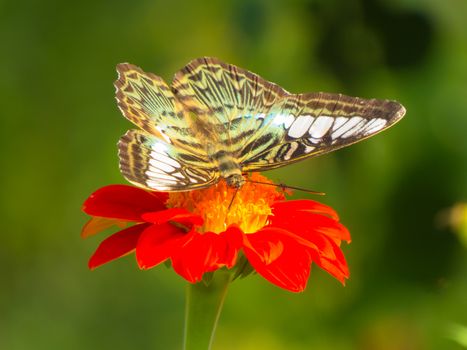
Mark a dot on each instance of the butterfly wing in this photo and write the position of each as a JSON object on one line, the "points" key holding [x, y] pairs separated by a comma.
{"points": [[152, 163], [311, 124], [263, 126], [147, 101], [232, 100], [169, 154]]}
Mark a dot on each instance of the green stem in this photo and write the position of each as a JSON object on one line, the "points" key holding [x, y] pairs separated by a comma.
{"points": [[203, 308]]}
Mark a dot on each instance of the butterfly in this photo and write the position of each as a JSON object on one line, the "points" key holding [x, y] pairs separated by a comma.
{"points": [[217, 121]]}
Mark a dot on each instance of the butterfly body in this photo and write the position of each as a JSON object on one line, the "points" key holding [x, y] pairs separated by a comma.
{"points": [[219, 121], [229, 169]]}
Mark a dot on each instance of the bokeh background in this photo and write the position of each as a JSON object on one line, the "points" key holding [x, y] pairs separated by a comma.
{"points": [[400, 193]]}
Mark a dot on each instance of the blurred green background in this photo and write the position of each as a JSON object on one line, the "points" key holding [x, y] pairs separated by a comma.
{"points": [[60, 125]]}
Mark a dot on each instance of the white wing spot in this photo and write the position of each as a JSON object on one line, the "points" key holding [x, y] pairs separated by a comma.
{"points": [[283, 119], [355, 130], [192, 176], [289, 120], [164, 159], [159, 176], [308, 149], [155, 170], [321, 126], [339, 122], [346, 127], [162, 166], [179, 175], [159, 147], [376, 125], [160, 186], [300, 126], [316, 141]]}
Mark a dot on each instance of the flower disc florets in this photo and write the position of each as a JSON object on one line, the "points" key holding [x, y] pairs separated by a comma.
{"points": [[221, 206]]}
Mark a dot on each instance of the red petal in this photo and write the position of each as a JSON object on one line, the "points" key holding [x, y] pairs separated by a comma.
{"points": [[278, 258], [116, 246], [191, 262], [207, 252], [323, 250], [97, 224], [304, 221], [179, 215], [158, 242], [334, 263], [265, 244], [230, 242], [286, 207], [123, 202]]}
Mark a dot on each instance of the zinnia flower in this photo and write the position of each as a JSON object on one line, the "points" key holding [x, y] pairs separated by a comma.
{"points": [[204, 230]]}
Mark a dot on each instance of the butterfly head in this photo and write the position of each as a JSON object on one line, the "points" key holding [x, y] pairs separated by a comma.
{"points": [[235, 180]]}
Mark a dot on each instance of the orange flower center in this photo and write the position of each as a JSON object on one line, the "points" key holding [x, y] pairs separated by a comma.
{"points": [[249, 210]]}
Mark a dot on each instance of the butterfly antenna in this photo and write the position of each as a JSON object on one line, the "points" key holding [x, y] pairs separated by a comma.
{"points": [[288, 187], [232, 200]]}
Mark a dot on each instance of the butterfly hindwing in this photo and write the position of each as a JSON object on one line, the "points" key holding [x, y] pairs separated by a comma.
{"points": [[153, 163]]}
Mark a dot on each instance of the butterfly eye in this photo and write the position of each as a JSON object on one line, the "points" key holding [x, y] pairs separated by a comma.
{"points": [[235, 181]]}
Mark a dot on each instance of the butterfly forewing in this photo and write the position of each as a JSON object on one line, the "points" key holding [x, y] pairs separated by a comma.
{"points": [[263, 126], [317, 123], [231, 99]]}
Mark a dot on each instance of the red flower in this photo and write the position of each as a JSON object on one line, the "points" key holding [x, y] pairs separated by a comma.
{"points": [[199, 233]]}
